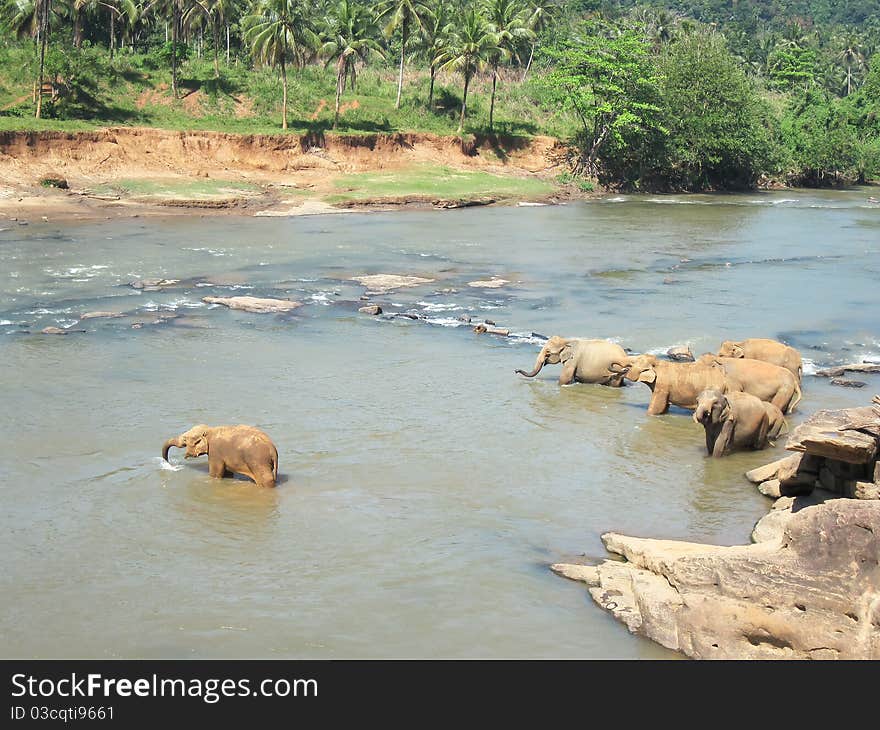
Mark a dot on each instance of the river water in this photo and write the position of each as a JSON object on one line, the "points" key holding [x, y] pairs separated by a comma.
{"points": [[425, 487]]}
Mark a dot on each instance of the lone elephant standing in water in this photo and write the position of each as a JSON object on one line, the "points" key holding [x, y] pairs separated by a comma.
{"points": [[239, 449], [583, 361]]}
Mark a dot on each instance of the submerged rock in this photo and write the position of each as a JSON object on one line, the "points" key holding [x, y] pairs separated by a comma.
{"points": [[846, 383], [152, 284], [373, 309], [254, 304], [808, 591], [58, 331]]}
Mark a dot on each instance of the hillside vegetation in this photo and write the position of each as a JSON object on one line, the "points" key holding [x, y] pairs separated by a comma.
{"points": [[675, 95]]}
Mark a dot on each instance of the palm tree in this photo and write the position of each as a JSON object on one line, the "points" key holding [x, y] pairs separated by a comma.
{"points": [[851, 55], [470, 47], [540, 13], [351, 37], [277, 31], [406, 15], [175, 10], [434, 37], [31, 18], [507, 23]]}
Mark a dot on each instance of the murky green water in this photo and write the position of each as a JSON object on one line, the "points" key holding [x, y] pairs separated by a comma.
{"points": [[425, 487]]}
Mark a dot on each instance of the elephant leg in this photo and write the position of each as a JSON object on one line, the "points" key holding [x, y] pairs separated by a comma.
{"points": [[783, 398], [217, 468], [566, 377], [659, 403], [762, 436], [264, 476]]}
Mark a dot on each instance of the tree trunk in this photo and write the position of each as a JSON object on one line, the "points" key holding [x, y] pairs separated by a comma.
{"points": [[492, 103], [44, 32], [284, 93], [227, 45], [112, 33], [77, 28], [400, 74], [174, 34], [529, 64], [340, 81], [467, 82], [215, 30], [431, 92]]}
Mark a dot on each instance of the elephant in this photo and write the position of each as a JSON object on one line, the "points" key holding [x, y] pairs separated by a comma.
{"points": [[767, 350], [583, 361], [765, 380], [737, 421], [672, 383], [240, 449]]}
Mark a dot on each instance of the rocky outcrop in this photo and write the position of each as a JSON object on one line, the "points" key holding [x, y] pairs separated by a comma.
{"points": [[809, 591], [254, 304], [835, 450], [809, 586]]}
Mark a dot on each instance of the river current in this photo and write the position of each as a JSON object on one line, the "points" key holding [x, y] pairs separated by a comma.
{"points": [[425, 488]]}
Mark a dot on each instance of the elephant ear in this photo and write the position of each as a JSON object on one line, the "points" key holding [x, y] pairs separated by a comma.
{"points": [[566, 353], [737, 350], [648, 376]]}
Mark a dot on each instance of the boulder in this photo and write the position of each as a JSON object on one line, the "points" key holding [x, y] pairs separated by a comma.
{"points": [[833, 434], [372, 309], [847, 383], [681, 353], [254, 304], [808, 591]]}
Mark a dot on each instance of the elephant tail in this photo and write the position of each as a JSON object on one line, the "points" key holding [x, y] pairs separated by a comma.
{"points": [[275, 464]]}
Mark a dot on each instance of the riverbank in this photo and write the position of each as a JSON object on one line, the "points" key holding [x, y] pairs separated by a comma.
{"points": [[141, 171]]}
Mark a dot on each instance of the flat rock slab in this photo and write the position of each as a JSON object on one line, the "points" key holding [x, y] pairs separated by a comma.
{"points": [[101, 315], [253, 304], [829, 434], [806, 591], [382, 283], [860, 367], [493, 283]]}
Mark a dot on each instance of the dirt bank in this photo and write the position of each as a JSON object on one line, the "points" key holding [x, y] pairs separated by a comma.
{"points": [[117, 169]]}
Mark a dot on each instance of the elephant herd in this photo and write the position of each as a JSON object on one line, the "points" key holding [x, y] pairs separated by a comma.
{"points": [[740, 395]]}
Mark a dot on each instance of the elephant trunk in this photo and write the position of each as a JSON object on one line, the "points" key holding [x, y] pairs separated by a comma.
{"points": [[176, 443], [700, 414], [542, 358]]}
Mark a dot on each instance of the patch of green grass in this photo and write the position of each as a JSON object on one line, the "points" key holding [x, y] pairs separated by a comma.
{"points": [[434, 181], [175, 188], [134, 90]]}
